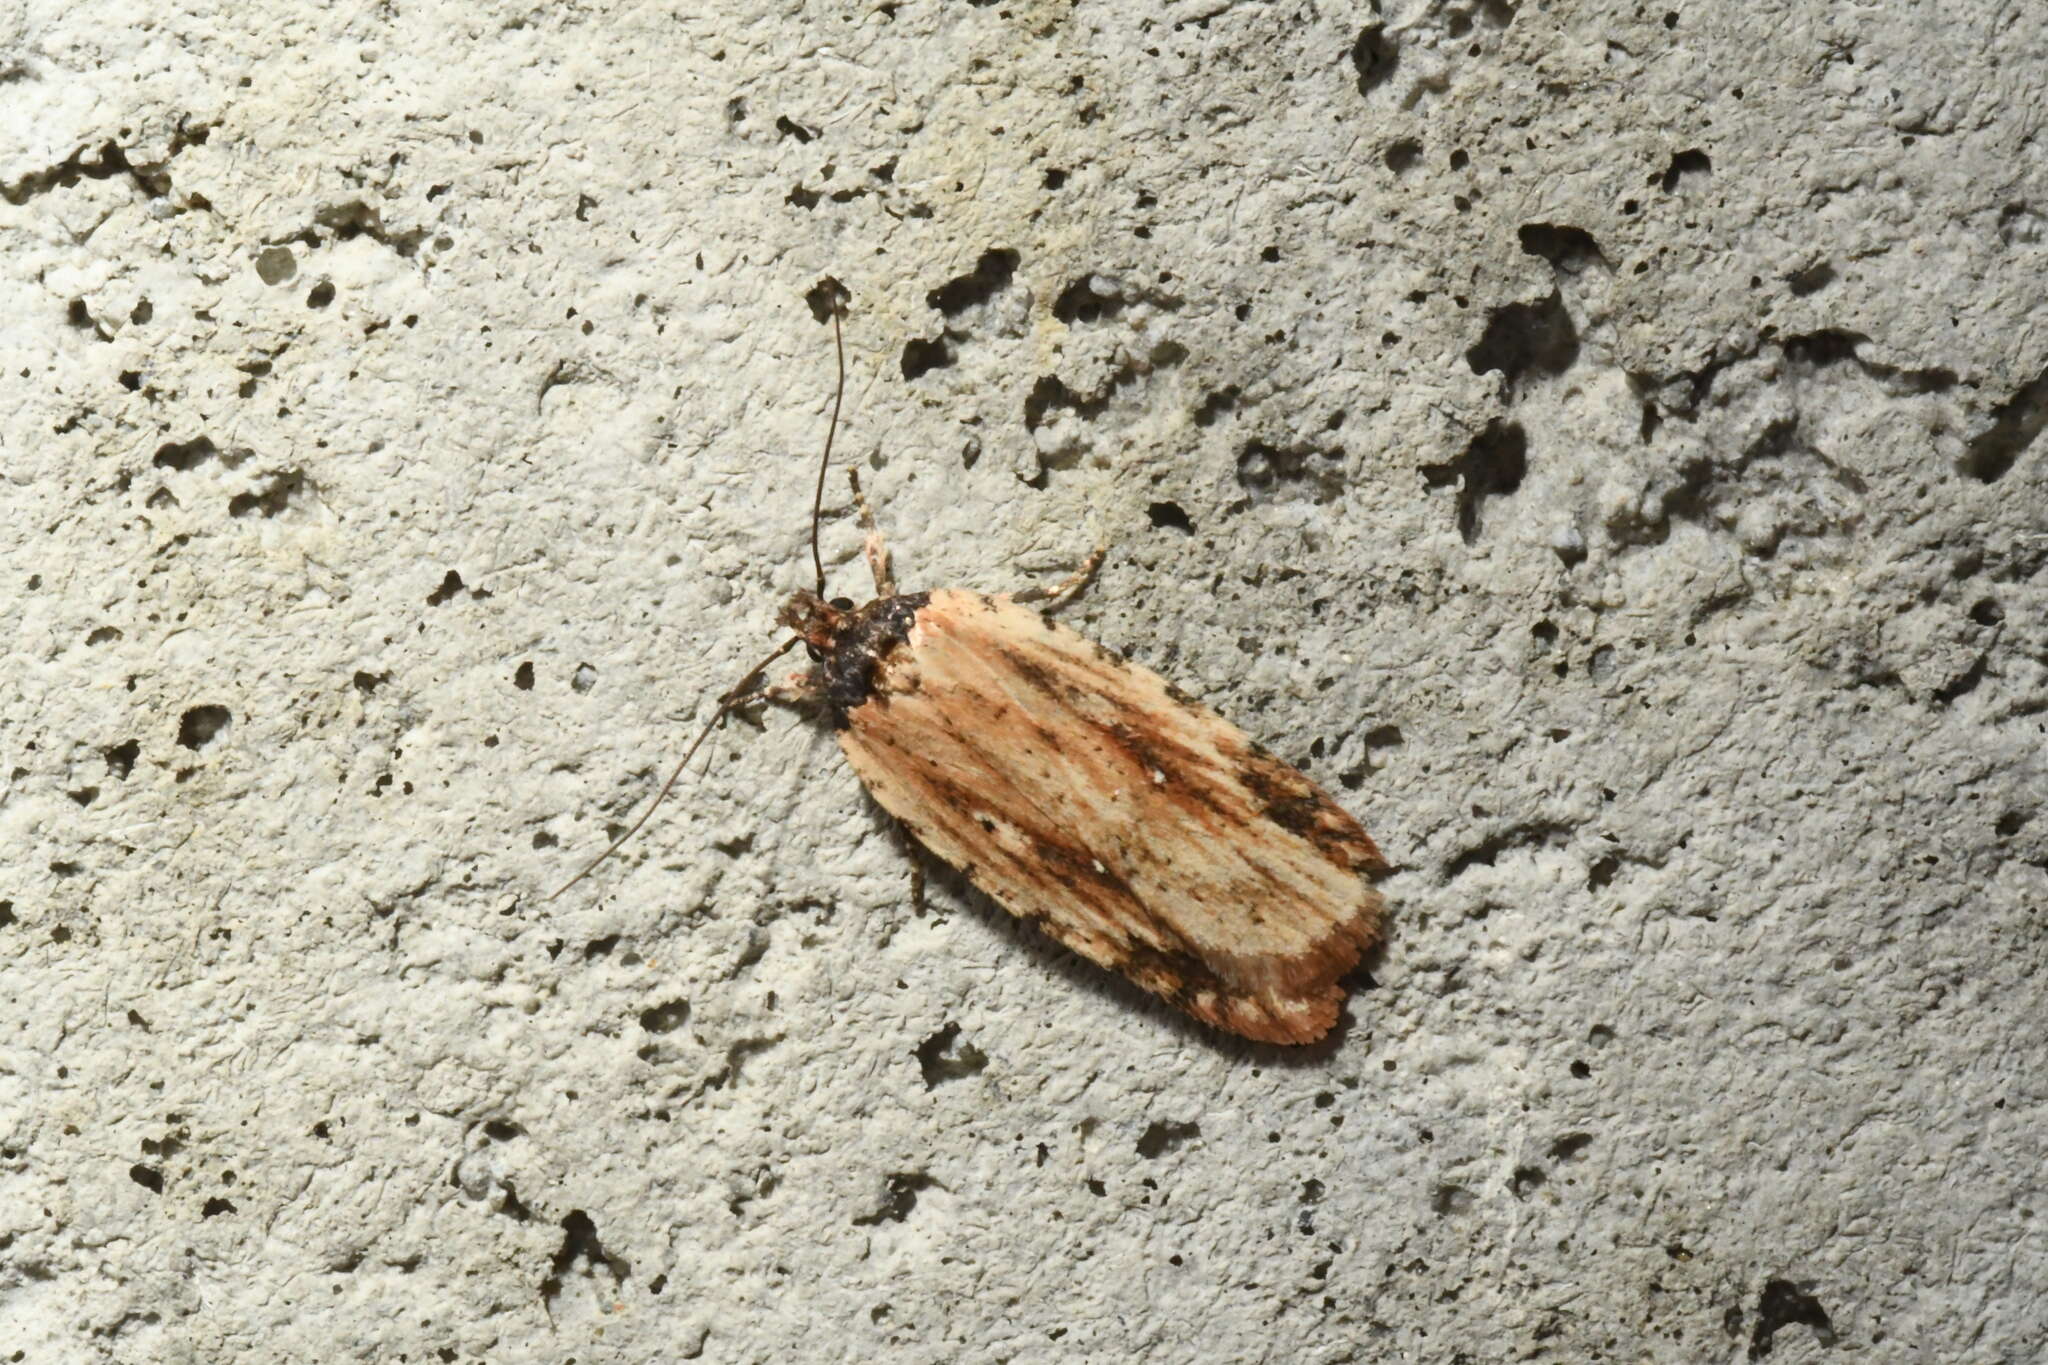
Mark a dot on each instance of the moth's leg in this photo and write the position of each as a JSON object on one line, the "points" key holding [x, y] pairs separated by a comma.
{"points": [[1055, 597], [914, 852], [877, 553], [798, 689]]}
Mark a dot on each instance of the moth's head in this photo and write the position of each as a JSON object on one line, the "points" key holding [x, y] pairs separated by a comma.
{"points": [[819, 622]]}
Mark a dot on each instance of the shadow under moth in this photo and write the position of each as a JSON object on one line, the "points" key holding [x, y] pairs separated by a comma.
{"points": [[1080, 791]]}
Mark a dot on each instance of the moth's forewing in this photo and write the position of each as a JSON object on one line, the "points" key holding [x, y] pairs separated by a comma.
{"points": [[1139, 828]]}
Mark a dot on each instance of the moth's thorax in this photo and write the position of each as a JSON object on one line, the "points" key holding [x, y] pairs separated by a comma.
{"points": [[850, 645]]}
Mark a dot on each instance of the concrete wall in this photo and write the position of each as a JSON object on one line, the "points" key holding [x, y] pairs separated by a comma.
{"points": [[1599, 442]]}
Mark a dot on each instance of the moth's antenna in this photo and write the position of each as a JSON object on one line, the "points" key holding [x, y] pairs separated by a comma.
{"points": [[737, 697], [838, 396]]}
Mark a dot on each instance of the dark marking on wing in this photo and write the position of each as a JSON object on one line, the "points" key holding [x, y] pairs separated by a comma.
{"points": [[1156, 940], [1176, 975], [1292, 801], [1071, 865], [1049, 857], [1153, 750], [1290, 804], [1038, 675]]}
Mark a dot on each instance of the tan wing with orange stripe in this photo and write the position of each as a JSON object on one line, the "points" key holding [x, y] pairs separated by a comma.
{"points": [[1139, 828]]}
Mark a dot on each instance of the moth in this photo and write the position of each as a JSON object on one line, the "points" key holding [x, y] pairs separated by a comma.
{"points": [[1081, 792]]}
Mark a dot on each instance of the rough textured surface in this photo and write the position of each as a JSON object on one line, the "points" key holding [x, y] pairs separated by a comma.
{"points": [[1601, 441]]}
